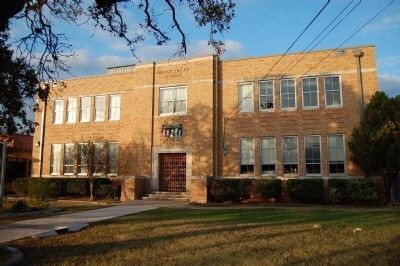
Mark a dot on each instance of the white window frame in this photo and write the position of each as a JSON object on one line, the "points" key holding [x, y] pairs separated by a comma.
{"points": [[102, 108], [52, 161], [113, 108], [174, 88], [241, 100], [240, 156], [302, 94], [87, 111], [261, 150], [320, 156], [58, 114], [72, 156], [71, 110], [295, 95], [340, 92], [266, 95], [344, 155], [298, 156]]}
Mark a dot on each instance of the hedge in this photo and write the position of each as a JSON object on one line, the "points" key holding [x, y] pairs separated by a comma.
{"points": [[306, 190], [267, 188], [352, 191], [45, 189], [230, 189]]}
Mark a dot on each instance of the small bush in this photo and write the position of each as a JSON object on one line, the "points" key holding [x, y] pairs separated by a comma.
{"points": [[306, 190], [352, 191], [230, 189], [103, 191], [20, 186], [43, 189], [77, 187], [267, 188], [20, 206]]}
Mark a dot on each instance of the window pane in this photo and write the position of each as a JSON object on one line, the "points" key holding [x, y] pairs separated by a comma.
{"points": [[68, 159], [71, 110], [310, 92], [288, 94], [173, 100], [313, 154], [55, 158], [99, 108], [268, 151], [58, 111], [266, 95], [246, 151], [85, 109], [290, 155], [112, 158], [336, 154], [115, 101], [332, 90], [246, 103]]}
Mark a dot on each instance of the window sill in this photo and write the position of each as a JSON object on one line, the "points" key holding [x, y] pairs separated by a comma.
{"points": [[55, 174], [176, 114], [84, 121], [70, 123], [113, 120], [268, 175], [267, 110], [338, 175], [98, 120], [289, 109], [313, 175], [333, 106], [310, 108], [68, 174]]}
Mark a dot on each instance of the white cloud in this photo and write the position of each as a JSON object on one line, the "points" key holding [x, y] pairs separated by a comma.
{"points": [[389, 61], [389, 22], [389, 84]]}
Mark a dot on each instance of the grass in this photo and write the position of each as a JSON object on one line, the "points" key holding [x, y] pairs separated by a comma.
{"points": [[65, 207], [224, 237]]}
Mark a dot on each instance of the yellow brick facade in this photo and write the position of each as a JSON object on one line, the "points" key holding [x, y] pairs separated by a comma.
{"points": [[212, 125]]}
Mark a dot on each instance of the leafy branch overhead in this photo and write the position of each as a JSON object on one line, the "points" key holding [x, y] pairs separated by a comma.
{"points": [[47, 48]]}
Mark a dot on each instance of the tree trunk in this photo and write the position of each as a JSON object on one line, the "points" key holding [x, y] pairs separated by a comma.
{"points": [[91, 188], [388, 188]]}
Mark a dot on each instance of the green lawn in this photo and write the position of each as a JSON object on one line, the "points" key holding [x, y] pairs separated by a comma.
{"points": [[220, 237]]}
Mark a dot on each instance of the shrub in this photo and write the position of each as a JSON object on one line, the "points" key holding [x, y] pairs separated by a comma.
{"points": [[103, 191], [43, 189], [20, 206], [352, 191], [20, 186], [229, 189], [306, 190], [267, 188], [77, 186]]}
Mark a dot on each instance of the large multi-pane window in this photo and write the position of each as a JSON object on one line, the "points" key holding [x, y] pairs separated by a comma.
{"points": [[99, 157], [115, 107], [313, 155], [85, 109], [290, 155], [172, 100], [245, 92], [266, 95], [288, 94], [336, 154], [268, 151], [99, 108], [71, 110], [82, 158], [246, 148], [68, 159], [333, 93], [55, 158], [310, 92], [112, 164], [58, 111]]}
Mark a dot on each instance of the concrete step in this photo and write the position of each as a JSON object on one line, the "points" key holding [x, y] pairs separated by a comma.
{"points": [[166, 199]]}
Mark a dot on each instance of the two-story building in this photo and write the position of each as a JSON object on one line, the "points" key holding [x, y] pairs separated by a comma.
{"points": [[275, 116]]}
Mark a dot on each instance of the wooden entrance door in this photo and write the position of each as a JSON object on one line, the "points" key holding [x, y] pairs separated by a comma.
{"points": [[172, 172]]}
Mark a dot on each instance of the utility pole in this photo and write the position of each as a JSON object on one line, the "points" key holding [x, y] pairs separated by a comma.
{"points": [[3, 149]]}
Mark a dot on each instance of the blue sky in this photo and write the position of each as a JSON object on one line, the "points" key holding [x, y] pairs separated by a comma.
{"points": [[260, 27]]}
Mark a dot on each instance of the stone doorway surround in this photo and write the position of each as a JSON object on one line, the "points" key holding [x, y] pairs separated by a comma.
{"points": [[155, 164]]}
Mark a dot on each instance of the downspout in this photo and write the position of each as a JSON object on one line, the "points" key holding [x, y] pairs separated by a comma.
{"points": [[215, 117], [152, 124], [358, 54], [42, 129]]}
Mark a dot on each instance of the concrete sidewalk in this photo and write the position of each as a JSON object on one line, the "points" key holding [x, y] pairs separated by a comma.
{"points": [[77, 220]]}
